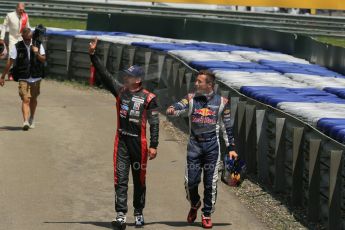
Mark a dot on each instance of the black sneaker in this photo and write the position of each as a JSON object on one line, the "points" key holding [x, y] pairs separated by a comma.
{"points": [[119, 223]]}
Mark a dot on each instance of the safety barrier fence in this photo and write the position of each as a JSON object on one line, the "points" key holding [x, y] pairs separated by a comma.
{"points": [[299, 24], [284, 153], [305, 47]]}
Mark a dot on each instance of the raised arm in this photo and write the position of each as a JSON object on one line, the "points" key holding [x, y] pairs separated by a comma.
{"points": [[107, 79]]}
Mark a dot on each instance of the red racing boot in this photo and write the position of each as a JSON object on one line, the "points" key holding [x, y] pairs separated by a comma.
{"points": [[193, 212], [206, 221]]}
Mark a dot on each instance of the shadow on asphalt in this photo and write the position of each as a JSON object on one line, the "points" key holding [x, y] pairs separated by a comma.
{"points": [[168, 223], [95, 223], [11, 128], [183, 224]]}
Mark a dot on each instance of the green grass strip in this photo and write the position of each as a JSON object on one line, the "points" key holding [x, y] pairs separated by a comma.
{"points": [[332, 41]]}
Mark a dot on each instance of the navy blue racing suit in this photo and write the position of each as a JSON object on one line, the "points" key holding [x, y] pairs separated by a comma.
{"points": [[134, 110], [208, 114]]}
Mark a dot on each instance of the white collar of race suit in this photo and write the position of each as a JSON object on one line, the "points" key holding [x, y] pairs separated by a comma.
{"points": [[206, 95]]}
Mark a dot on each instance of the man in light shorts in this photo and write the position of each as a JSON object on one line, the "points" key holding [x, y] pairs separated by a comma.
{"points": [[28, 70]]}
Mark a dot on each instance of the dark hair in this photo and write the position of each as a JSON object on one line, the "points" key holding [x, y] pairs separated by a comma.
{"points": [[210, 77], [26, 30]]}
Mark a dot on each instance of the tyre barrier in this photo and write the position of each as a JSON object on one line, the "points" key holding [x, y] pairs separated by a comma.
{"points": [[288, 114]]}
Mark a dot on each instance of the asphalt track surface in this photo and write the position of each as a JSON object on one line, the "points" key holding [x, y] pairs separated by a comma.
{"points": [[60, 174]]}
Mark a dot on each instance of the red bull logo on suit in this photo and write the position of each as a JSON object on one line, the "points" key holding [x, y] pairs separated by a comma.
{"points": [[204, 115]]}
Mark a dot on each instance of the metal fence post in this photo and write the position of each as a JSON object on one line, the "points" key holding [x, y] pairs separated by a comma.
{"points": [[314, 180], [335, 183], [188, 81], [216, 87], [174, 86], [119, 52], [131, 54], [161, 58], [69, 42], [262, 146], [240, 131], [279, 178], [170, 78], [250, 146], [180, 91], [297, 166], [234, 103], [106, 46], [147, 62]]}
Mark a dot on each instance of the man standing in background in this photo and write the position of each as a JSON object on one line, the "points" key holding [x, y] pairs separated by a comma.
{"points": [[15, 21]]}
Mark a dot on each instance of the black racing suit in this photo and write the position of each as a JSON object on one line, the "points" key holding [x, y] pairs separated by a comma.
{"points": [[134, 109]]}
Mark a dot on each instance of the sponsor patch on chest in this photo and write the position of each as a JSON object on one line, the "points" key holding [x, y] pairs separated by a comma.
{"points": [[134, 120], [139, 100], [136, 106], [203, 120], [134, 113], [125, 101], [123, 113], [124, 107]]}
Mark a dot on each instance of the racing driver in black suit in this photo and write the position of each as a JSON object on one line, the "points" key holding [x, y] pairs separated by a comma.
{"points": [[135, 107]]}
